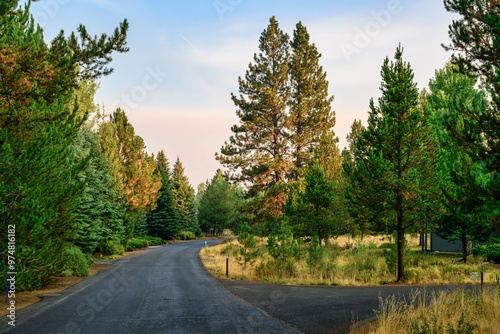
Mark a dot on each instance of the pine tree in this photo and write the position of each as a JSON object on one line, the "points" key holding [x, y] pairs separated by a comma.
{"points": [[352, 193], [315, 204], [310, 115], [395, 157], [218, 205], [38, 125], [184, 198], [475, 38], [257, 152], [133, 168], [98, 216], [463, 179], [163, 221]]}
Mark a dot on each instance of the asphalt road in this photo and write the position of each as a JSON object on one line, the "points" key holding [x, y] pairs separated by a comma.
{"points": [[321, 309], [167, 290]]}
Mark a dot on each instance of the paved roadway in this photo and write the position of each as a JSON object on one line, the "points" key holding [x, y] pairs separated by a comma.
{"points": [[167, 290]]}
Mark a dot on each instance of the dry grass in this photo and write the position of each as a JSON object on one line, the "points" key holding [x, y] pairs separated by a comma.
{"points": [[347, 261], [440, 312]]}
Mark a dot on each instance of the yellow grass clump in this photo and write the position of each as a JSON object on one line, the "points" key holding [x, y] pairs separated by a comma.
{"points": [[346, 261], [441, 312]]}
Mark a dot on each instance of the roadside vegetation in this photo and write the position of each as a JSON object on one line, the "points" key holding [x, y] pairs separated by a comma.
{"points": [[440, 312], [342, 261]]}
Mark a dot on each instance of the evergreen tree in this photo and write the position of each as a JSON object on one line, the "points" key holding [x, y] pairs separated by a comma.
{"points": [[463, 180], [257, 152], [284, 112], [315, 204], [310, 115], [395, 157], [475, 38], [163, 221], [357, 212], [218, 205], [38, 126], [133, 168], [184, 198], [98, 216]]}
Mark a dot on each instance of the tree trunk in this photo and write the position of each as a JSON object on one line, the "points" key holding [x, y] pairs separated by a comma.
{"points": [[401, 238], [464, 248], [401, 253]]}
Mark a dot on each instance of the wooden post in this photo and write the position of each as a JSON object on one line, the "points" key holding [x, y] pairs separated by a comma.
{"points": [[481, 279], [227, 265]]}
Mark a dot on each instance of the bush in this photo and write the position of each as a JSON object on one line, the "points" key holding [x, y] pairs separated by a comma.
{"points": [[186, 235], [111, 248], [277, 268], [137, 243], [231, 250], [316, 253], [386, 245], [281, 244], [198, 232], [153, 241], [76, 264], [490, 252]]}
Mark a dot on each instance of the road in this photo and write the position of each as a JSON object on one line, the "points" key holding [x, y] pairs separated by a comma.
{"points": [[321, 309], [167, 290]]}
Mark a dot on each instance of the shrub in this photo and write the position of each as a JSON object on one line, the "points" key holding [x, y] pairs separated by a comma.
{"points": [[137, 243], [198, 232], [315, 253], [247, 249], [111, 248], [386, 245], [490, 252], [231, 250], [75, 264], [281, 244], [286, 268], [186, 235], [153, 241]]}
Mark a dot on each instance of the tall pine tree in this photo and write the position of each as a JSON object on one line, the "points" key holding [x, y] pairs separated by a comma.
{"points": [[258, 149], [164, 220], [133, 168], [184, 198], [310, 116], [475, 37], [38, 126], [464, 180], [395, 157]]}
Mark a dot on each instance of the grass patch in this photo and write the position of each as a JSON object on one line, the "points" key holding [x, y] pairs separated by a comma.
{"points": [[347, 262], [441, 312]]}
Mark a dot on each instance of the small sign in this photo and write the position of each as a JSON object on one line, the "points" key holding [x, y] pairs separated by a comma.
{"points": [[475, 276]]}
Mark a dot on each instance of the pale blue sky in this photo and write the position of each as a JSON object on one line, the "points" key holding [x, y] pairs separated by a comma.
{"points": [[185, 58]]}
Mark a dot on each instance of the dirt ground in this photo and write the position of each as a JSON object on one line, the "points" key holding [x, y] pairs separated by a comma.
{"points": [[26, 298]]}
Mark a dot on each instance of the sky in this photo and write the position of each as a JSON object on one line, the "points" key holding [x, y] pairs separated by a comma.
{"points": [[185, 58]]}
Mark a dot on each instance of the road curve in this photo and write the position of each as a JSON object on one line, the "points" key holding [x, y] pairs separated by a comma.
{"points": [[164, 290], [323, 309]]}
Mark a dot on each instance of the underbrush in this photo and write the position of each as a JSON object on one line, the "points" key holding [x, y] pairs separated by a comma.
{"points": [[344, 261], [454, 312]]}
